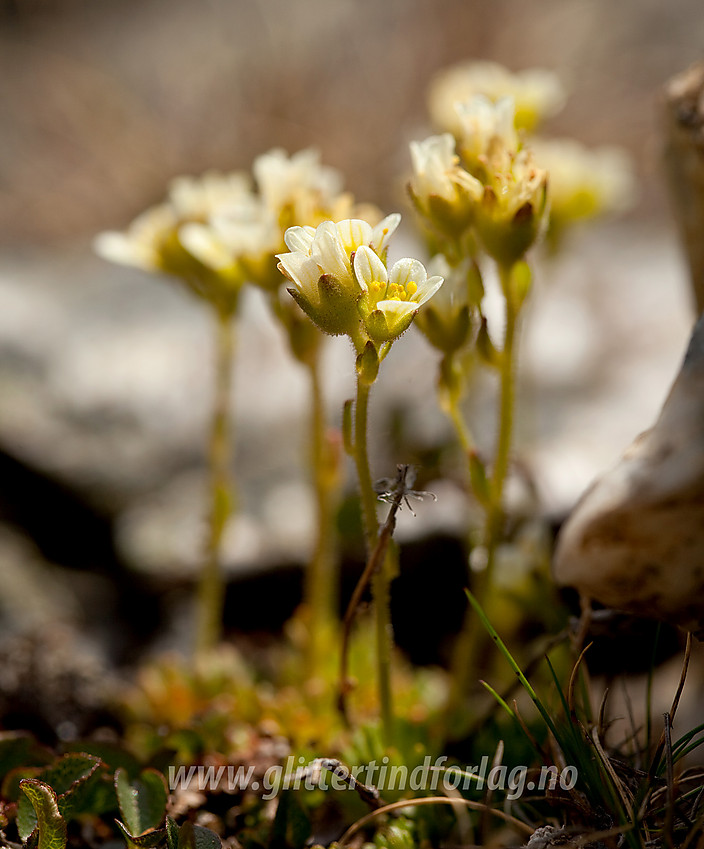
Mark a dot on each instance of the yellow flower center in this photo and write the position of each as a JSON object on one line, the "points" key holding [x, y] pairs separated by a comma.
{"points": [[392, 291]]}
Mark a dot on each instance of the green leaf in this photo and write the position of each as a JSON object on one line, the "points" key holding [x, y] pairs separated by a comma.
{"points": [[66, 777], [291, 828], [49, 822], [69, 771], [171, 833], [147, 840], [111, 754], [143, 801], [197, 837], [19, 749]]}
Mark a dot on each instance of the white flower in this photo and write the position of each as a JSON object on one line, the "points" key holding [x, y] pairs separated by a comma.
{"points": [[284, 180], [392, 297], [583, 182], [484, 125], [436, 170], [537, 93], [197, 198], [142, 243], [319, 264], [244, 231], [328, 250], [513, 210]]}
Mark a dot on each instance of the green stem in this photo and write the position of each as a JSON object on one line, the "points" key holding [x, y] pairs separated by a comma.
{"points": [[469, 643], [452, 393], [211, 590], [320, 589], [380, 584]]}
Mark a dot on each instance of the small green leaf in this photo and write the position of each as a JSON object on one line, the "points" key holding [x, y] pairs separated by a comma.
{"points": [[69, 771], [143, 801], [291, 828], [111, 754], [67, 777], [197, 837], [171, 833], [49, 822], [19, 749], [147, 840]]}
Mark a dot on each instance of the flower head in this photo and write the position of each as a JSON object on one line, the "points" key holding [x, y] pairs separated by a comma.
{"points": [[143, 244], [584, 183], [299, 189], [391, 298], [513, 210], [441, 189], [153, 240], [197, 198], [446, 322], [320, 265], [537, 93], [485, 126]]}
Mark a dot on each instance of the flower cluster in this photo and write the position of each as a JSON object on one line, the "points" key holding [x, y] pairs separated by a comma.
{"points": [[219, 231], [537, 93], [343, 283], [492, 187], [489, 113]]}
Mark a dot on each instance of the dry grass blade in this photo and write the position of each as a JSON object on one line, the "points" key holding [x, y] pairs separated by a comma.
{"points": [[573, 679], [488, 793], [618, 784], [675, 705], [431, 800]]}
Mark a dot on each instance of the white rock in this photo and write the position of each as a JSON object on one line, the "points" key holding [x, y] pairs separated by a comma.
{"points": [[636, 539]]}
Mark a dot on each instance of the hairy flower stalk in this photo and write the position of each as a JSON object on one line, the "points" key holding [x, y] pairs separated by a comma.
{"points": [[211, 589], [489, 196], [169, 239], [342, 281]]}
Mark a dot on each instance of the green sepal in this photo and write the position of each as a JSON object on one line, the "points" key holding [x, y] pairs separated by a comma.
{"points": [[335, 312], [475, 285], [449, 217], [486, 348], [507, 239], [368, 364], [447, 333], [50, 825]]}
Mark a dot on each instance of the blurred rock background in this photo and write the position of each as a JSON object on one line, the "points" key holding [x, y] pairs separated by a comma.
{"points": [[105, 372]]}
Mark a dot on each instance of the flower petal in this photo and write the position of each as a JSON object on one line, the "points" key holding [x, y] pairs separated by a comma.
{"points": [[328, 251], [354, 232], [396, 310], [427, 289], [383, 231], [302, 271], [299, 238], [118, 247], [408, 270], [200, 241], [368, 267]]}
